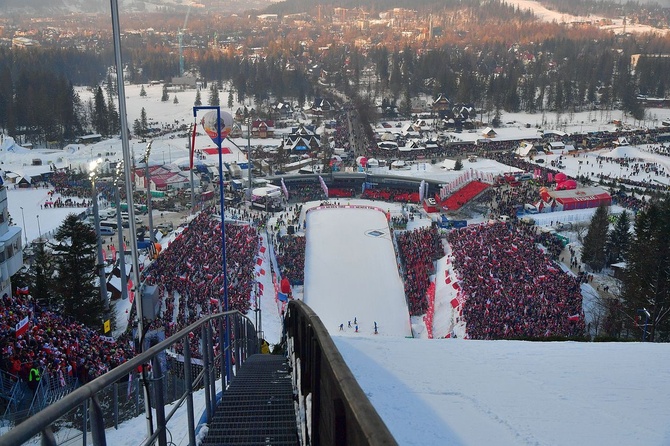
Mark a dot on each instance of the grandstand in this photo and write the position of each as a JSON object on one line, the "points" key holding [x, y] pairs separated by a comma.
{"points": [[462, 196]]}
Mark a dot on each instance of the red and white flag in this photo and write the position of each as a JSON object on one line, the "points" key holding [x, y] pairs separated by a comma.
{"points": [[22, 326], [192, 145], [323, 186]]}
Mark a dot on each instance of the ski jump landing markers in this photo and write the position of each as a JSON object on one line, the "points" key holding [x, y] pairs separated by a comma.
{"points": [[351, 272]]}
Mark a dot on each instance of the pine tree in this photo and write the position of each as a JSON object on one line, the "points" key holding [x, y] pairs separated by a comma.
{"points": [[458, 165], [175, 100], [143, 92], [114, 124], [100, 118], [75, 253], [165, 97], [213, 94], [137, 127], [646, 283], [41, 277], [230, 98], [144, 123], [619, 239], [406, 103], [198, 100], [593, 251], [110, 86]]}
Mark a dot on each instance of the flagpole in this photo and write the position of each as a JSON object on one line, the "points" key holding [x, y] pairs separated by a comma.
{"points": [[224, 267]]}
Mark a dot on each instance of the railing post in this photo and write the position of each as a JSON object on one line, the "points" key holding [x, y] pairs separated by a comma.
{"points": [[222, 350], [205, 365], [84, 422], [136, 385], [116, 406], [212, 362], [48, 438], [238, 347], [97, 422], [188, 381], [157, 382]]}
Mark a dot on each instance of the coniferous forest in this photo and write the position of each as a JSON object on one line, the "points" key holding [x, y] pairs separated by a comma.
{"points": [[487, 54]]}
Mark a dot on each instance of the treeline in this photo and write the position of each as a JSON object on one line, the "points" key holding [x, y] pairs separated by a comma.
{"points": [[39, 104], [641, 308]]}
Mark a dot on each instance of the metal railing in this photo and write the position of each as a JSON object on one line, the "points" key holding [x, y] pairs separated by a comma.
{"points": [[341, 413], [94, 406]]}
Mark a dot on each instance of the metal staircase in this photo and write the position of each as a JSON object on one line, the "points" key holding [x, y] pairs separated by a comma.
{"points": [[258, 407]]}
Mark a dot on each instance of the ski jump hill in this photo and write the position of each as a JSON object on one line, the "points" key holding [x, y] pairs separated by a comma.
{"points": [[351, 274]]}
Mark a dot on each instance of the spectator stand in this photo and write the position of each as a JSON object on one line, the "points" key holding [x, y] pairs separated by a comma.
{"points": [[417, 251], [511, 288]]}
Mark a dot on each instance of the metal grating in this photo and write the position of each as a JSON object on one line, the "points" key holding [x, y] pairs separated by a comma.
{"points": [[257, 408]]}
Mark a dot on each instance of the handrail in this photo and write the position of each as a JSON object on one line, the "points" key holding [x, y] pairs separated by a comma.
{"points": [[341, 414], [42, 420]]}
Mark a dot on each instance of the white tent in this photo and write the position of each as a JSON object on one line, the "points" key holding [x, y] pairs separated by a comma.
{"points": [[267, 191]]}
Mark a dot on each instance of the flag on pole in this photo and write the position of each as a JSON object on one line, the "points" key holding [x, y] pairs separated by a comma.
{"points": [[323, 186], [422, 189], [192, 145], [284, 189]]}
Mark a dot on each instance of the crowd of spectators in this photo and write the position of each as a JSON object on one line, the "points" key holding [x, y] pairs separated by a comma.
{"points": [[191, 269], [511, 288], [506, 200], [300, 192], [341, 192], [388, 194], [418, 250], [55, 345], [290, 252]]}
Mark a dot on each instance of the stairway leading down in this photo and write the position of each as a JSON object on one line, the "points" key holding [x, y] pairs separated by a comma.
{"points": [[258, 407]]}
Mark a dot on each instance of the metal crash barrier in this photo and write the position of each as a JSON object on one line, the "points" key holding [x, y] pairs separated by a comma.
{"points": [[341, 413]]}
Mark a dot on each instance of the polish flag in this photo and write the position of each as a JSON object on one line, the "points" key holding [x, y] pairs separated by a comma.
{"points": [[22, 326]]}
